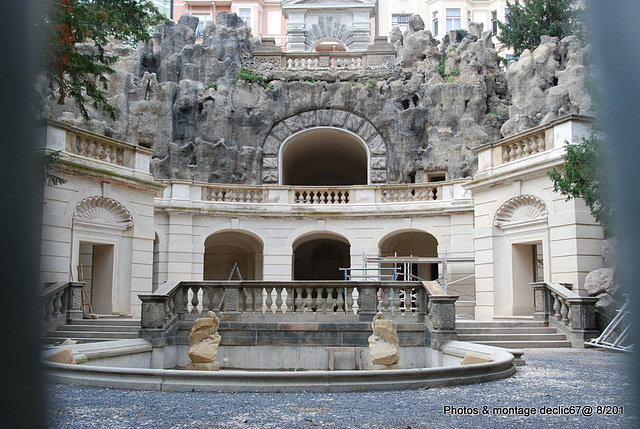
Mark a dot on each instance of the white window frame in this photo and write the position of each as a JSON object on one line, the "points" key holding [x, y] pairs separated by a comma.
{"points": [[203, 18], [494, 22], [245, 14], [434, 20], [454, 19], [395, 21]]}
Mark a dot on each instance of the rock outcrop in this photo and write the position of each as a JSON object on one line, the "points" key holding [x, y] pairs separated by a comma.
{"points": [[184, 98]]}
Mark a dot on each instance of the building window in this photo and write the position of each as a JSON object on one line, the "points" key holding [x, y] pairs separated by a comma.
{"points": [[401, 21], [203, 18], [494, 22], [245, 14], [453, 19], [435, 22]]}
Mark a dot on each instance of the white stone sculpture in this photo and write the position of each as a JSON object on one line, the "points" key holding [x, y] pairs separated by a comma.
{"points": [[384, 347], [204, 340]]}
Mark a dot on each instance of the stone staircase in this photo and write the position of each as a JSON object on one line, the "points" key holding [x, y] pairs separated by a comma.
{"points": [[93, 330], [511, 334]]}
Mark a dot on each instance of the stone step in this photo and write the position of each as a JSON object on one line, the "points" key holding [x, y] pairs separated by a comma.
{"points": [[100, 328], [478, 338], [112, 321], [92, 334], [517, 330], [527, 344], [58, 340], [500, 324]]}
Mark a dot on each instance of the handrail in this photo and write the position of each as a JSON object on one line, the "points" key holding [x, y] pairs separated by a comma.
{"points": [[61, 301], [565, 309]]}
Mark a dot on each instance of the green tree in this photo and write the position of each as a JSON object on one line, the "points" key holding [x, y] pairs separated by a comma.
{"points": [[584, 175], [80, 73], [527, 20]]}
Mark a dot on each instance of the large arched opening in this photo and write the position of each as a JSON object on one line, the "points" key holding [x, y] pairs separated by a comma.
{"points": [[324, 157], [320, 257], [232, 255], [412, 244]]}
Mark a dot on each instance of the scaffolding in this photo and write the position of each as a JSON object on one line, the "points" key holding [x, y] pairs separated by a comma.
{"points": [[616, 333], [405, 268]]}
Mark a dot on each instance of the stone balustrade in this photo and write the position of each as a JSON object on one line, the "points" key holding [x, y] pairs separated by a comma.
{"points": [[319, 61], [61, 302], [66, 138], [299, 301], [545, 139], [315, 195], [571, 313]]}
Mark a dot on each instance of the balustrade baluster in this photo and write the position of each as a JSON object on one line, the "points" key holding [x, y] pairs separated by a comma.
{"points": [[194, 299], [527, 147], [308, 303], [340, 308], [394, 297], [298, 302], [279, 300], [248, 292], [534, 145], [57, 304], [288, 308], [269, 300], [348, 300], [556, 306], [541, 143], [564, 311], [329, 302], [167, 311], [205, 299], [314, 302], [171, 306]]}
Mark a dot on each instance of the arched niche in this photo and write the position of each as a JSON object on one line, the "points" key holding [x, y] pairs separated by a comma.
{"points": [[335, 124], [320, 257], [324, 157], [223, 250]]}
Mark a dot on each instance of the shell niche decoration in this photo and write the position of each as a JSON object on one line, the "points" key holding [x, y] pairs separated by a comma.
{"points": [[103, 211], [520, 209]]}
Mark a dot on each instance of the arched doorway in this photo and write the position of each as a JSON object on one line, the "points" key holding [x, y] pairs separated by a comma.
{"points": [[225, 250], [324, 157], [416, 244], [320, 257]]}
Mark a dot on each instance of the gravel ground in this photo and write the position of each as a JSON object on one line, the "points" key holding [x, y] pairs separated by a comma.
{"points": [[552, 378]]}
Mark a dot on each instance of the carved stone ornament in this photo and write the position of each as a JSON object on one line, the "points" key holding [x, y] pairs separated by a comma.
{"points": [[520, 210], [384, 347], [103, 211]]}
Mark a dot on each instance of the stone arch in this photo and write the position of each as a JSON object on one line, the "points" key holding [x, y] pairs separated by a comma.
{"points": [[411, 243], [328, 27], [328, 44], [521, 210], [223, 249], [327, 118], [320, 255], [104, 212]]}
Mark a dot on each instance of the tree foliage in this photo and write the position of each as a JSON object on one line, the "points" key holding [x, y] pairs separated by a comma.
{"points": [[530, 19], [78, 33], [584, 175]]}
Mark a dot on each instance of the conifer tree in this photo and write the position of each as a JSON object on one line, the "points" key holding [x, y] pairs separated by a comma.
{"points": [[527, 20]]}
